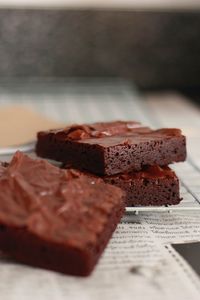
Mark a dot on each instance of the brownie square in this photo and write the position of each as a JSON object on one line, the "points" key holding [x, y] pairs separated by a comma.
{"points": [[111, 148], [154, 185], [54, 218]]}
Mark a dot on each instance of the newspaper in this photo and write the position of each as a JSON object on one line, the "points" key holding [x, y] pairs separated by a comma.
{"points": [[139, 262]]}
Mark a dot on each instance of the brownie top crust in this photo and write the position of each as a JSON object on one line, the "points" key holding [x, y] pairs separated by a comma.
{"points": [[54, 204], [136, 136], [96, 130], [111, 133]]}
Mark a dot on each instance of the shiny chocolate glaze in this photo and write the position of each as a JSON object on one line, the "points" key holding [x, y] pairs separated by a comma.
{"points": [[148, 172], [136, 136], [98, 130], [119, 132]]}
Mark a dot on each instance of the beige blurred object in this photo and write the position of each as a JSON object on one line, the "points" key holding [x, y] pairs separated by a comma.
{"points": [[91, 4], [19, 125]]}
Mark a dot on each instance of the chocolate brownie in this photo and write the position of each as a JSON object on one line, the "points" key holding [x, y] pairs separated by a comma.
{"points": [[111, 148], [54, 218], [153, 185]]}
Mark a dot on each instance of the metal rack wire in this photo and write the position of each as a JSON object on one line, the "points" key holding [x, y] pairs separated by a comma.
{"points": [[149, 209]]}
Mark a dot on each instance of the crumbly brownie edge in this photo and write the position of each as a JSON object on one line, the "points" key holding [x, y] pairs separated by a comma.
{"points": [[123, 158], [149, 192]]}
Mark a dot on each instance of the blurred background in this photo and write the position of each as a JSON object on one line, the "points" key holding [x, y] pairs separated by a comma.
{"points": [[153, 43]]}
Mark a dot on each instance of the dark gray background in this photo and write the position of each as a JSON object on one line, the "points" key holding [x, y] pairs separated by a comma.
{"points": [[155, 49]]}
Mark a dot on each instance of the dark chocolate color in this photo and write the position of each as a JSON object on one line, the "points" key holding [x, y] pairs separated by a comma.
{"points": [[54, 218], [152, 186], [111, 148]]}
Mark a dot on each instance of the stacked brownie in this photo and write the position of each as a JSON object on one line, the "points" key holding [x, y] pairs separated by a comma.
{"points": [[125, 154]]}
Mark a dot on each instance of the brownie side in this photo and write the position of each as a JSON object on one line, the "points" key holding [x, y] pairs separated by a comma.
{"points": [[72, 153], [113, 154], [136, 153], [56, 219], [155, 186]]}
